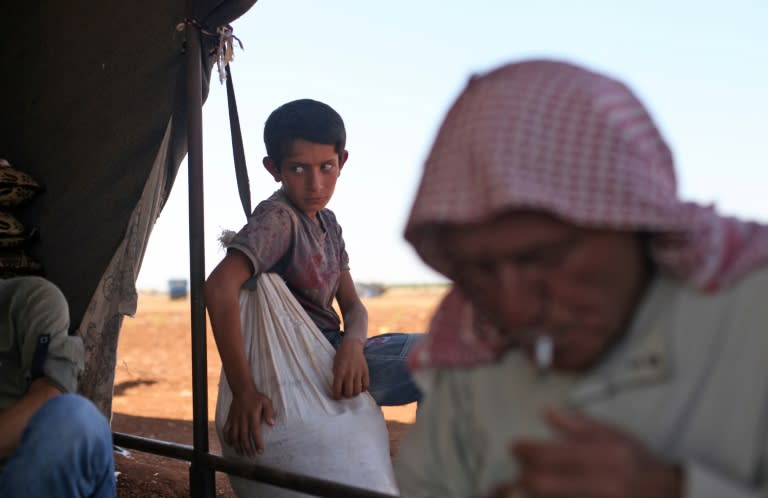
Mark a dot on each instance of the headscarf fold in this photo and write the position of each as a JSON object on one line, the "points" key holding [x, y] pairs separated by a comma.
{"points": [[554, 137]]}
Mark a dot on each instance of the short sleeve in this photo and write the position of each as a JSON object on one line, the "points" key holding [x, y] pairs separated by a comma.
{"points": [[41, 310], [267, 236]]}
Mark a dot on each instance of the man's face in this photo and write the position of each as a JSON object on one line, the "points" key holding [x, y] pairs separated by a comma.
{"points": [[308, 174], [529, 273]]}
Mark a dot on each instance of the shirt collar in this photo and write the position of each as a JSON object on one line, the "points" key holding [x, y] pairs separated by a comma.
{"points": [[643, 357]]}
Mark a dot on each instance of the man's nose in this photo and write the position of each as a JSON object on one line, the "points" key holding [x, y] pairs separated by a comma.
{"points": [[523, 295]]}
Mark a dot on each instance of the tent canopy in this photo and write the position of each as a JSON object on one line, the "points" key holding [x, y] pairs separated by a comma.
{"points": [[93, 99]]}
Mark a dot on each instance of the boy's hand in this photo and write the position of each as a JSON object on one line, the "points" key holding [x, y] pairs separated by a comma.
{"points": [[350, 370], [242, 430]]}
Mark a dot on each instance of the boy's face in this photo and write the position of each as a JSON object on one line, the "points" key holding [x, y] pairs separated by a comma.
{"points": [[308, 174]]}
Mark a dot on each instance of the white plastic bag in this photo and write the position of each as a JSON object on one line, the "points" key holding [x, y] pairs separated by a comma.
{"points": [[291, 362]]}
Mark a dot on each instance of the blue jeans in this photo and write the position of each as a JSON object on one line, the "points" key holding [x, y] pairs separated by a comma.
{"points": [[65, 450], [391, 383]]}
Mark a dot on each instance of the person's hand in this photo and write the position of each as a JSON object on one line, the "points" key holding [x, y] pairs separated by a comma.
{"points": [[350, 370], [242, 430], [590, 459]]}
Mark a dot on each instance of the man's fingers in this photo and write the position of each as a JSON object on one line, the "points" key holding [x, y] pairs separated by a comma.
{"points": [[550, 469], [577, 427], [549, 456], [506, 491]]}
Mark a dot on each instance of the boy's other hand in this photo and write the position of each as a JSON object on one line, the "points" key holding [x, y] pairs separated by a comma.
{"points": [[350, 370], [242, 430]]}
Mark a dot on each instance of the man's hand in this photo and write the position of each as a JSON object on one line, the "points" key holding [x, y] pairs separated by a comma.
{"points": [[242, 430], [350, 370], [590, 459]]}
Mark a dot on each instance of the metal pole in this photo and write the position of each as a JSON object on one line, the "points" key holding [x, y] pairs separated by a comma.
{"points": [[260, 473], [202, 482]]}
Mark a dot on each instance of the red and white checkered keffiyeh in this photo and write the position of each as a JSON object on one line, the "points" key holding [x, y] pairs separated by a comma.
{"points": [[554, 137]]}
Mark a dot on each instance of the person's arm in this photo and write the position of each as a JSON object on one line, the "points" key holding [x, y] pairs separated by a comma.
{"points": [[437, 458], [591, 458], [350, 370], [604, 457], [242, 429], [15, 418]]}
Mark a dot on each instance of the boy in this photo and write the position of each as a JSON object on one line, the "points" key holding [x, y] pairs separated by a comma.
{"points": [[294, 235]]}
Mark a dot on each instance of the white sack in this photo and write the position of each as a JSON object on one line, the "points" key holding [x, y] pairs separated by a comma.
{"points": [[291, 362]]}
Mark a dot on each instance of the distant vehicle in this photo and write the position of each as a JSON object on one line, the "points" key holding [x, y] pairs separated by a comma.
{"points": [[369, 290], [177, 288]]}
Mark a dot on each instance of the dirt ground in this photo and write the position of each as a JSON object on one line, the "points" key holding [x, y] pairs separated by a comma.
{"points": [[153, 387]]}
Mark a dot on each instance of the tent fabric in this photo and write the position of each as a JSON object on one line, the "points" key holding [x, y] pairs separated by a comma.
{"points": [[92, 100], [115, 295]]}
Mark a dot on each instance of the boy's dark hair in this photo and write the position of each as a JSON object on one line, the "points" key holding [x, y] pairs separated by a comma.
{"points": [[305, 119]]}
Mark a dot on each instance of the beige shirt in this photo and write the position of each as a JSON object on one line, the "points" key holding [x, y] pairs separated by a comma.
{"points": [[690, 380], [28, 310]]}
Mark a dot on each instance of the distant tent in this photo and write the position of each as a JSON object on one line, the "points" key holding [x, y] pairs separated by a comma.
{"points": [[93, 107]]}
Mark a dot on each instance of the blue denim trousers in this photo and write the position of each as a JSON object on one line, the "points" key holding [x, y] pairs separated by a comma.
{"points": [[65, 450], [391, 383]]}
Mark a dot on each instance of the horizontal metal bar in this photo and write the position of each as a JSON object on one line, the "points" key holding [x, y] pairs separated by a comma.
{"points": [[254, 472], [297, 482], [154, 446]]}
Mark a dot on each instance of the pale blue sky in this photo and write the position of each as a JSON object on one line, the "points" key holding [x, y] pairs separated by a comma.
{"points": [[392, 68]]}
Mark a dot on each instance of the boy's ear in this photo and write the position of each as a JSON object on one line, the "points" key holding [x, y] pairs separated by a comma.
{"points": [[273, 169], [343, 159]]}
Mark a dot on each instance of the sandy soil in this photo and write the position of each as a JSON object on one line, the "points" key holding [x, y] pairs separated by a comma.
{"points": [[153, 389]]}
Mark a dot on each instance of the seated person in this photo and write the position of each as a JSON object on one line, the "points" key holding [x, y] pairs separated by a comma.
{"points": [[52, 442], [603, 337]]}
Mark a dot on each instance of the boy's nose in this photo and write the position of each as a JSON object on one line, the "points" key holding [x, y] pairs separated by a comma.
{"points": [[314, 183]]}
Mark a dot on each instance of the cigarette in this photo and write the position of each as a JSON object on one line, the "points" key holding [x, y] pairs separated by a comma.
{"points": [[543, 352]]}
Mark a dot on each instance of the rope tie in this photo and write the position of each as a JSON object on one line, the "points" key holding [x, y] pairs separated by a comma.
{"points": [[224, 49]]}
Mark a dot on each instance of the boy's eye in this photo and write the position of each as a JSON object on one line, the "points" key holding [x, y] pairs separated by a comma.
{"points": [[327, 167], [298, 168]]}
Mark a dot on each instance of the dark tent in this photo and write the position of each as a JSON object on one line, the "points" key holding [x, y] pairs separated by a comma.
{"points": [[99, 100], [93, 107]]}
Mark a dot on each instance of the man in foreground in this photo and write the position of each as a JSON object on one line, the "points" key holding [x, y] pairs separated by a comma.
{"points": [[603, 338]]}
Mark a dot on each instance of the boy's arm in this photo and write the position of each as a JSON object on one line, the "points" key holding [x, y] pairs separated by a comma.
{"points": [[350, 370], [352, 310], [242, 429]]}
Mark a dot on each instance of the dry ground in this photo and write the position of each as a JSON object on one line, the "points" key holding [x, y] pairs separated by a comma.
{"points": [[153, 388]]}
